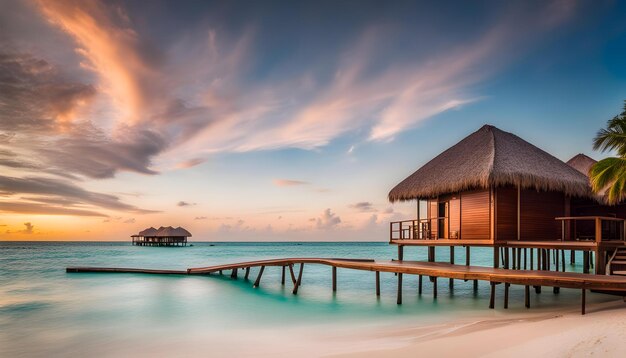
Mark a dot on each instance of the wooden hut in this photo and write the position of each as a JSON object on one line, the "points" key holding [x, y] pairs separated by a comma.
{"points": [[495, 189], [164, 236]]}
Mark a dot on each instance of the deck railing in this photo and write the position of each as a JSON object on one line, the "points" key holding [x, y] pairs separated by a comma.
{"points": [[591, 228], [409, 230]]}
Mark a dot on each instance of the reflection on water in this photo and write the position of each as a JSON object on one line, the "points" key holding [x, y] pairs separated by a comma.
{"points": [[46, 312]]}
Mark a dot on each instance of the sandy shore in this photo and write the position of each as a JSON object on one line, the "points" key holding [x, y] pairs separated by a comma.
{"points": [[600, 333]]}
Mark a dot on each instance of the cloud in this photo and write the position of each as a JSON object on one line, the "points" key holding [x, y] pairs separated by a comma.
{"points": [[288, 182], [51, 193], [35, 208], [29, 228], [184, 203], [328, 220], [364, 206], [190, 163], [200, 218], [129, 221]]}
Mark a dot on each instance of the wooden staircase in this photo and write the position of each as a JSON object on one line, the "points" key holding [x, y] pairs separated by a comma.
{"points": [[617, 262]]}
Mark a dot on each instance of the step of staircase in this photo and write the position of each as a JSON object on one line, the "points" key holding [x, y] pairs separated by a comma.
{"points": [[618, 262], [619, 273]]}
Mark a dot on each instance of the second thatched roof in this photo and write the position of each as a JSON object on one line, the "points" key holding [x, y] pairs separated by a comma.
{"points": [[491, 157]]}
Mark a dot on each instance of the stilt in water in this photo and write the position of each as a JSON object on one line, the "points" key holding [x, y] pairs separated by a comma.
{"points": [[492, 297], [525, 257], [400, 252], [377, 283], [572, 257], [399, 301], [293, 276], [419, 285], [245, 277], [334, 279], [506, 295], [282, 277], [299, 280], [258, 278], [527, 296], [451, 281], [563, 260], [583, 302], [435, 288], [233, 274]]}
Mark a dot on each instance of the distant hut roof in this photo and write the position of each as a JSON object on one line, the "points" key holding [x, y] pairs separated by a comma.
{"points": [[488, 157], [582, 163], [148, 232], [169, 231]]}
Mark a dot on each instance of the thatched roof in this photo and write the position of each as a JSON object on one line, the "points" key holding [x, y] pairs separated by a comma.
{"points": [[172, 232], [148, 232], [491, 157], [582, 163]]}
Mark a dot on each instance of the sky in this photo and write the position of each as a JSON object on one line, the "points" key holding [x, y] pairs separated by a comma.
{"points": [[278, 121]]}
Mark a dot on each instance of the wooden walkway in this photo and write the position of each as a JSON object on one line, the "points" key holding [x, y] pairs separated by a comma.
{"points": [[432, 270]]}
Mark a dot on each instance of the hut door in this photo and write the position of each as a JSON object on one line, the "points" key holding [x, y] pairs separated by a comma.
{"points": [[443, 225]]}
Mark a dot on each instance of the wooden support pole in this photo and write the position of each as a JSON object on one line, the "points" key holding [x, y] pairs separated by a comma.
{"points": [[492, 297], [585, 261], [519, 258], [513, 254], [299, 280], [282, 277], [572, 257], [496, 258], [293, 276], [419, 285], [233, 274], [582, 308], [378, 283], [532, 264], [507, 262], [258, 278], [451, 281], [563, 260], [475, 285], [435, 288], [400, 252], [334, 279], [399, 301], [506, 295], [527, 296], [525, 257]]}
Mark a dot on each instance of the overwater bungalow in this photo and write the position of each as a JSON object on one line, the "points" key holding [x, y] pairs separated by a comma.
{"points": [[164, 236], [494, 189]]}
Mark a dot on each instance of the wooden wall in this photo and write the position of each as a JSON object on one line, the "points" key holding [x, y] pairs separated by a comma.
{"points": [[432, 216], [537, 213], [506, 214], [455, 217], [475, 215]]}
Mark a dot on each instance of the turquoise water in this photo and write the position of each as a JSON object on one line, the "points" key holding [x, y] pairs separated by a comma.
{"points": [[47, 312]]}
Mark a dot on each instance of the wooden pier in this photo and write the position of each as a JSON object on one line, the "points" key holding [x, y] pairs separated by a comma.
{"points": [[433, 270]]}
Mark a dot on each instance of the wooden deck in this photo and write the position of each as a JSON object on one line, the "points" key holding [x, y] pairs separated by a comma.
{"points": [[557, 245], [434, 270]]}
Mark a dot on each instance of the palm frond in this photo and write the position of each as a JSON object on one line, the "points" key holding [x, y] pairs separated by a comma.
{"points": [[609, 175]]}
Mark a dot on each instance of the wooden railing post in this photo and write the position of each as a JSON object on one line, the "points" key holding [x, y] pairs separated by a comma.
{"points": [[598, 230]]}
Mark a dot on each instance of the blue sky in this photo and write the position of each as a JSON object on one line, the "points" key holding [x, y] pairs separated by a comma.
{"points": [[278, 120]]}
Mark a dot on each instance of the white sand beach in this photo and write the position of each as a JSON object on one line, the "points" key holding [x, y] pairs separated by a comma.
{"points": [[600, 333]]}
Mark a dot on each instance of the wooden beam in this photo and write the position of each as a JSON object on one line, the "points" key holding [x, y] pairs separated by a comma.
{"points": [[258, 278], [435, 287], [334, 279], [247, 273], [299, 280], [233, 273], [492, 296], [527, 296], [399, 301]]}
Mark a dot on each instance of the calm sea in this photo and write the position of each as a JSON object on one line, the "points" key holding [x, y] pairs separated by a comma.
{"points": [[46, 312]]}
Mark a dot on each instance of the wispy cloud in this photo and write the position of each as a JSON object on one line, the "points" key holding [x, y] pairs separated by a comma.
{"points": [[184, 203], [328, 220], [364, 206], [288, 182]]}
